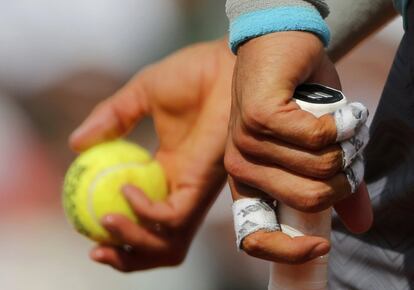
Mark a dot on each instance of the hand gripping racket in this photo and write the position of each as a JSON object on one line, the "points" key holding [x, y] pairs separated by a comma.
{"points": [[313, 275]]}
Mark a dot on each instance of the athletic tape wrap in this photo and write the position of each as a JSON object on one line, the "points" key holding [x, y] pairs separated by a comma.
{"points": [[355, 173], [251, 215], [354, 145], [349, 119]]}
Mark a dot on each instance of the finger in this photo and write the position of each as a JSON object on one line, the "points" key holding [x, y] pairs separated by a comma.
{"points": [[112, 118], [279, 247], [355, 173], [129, 233], [313, 163], [146, 209], [350, 118], [296, 191], [251, 215], [322, 164], [125, 261], [352, 147], [112, 256], [356, 211], [240, 191], [290, 124], [257, 232]]}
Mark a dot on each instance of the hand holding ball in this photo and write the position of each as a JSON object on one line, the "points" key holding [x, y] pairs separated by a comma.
{"points": [[93, 185]]}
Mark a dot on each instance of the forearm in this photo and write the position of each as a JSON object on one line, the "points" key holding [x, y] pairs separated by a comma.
{"points": [[351, 21]]}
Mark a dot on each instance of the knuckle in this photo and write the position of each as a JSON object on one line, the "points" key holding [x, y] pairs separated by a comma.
{"points": [[252, 117], [320, 136], [238, 136], [243, 141], [233, 165], [317, 138], [177, 259], [178, 223], [328, 164], [251, 245], [315, 198], [122, 116]]}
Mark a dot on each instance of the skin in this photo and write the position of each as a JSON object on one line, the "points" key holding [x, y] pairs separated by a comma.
{"points": [[190, 98], [276, 149]]}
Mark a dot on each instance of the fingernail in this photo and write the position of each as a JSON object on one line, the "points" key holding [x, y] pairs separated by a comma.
{"points": [[127, 188], [97, 254], [108, 220], [76, 141], [320, 250], [87, 129], [77, 133], [131, 191], [128, 191]]}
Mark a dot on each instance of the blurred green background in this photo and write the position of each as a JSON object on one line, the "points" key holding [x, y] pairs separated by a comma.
{"points": [[57, 60]]}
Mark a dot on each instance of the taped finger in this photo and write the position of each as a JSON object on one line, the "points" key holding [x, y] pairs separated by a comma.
{"points": [[354, 146], [251, 215], [348, 119], [355, 173]]}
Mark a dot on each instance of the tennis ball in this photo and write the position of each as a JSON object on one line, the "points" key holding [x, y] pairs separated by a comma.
{"points": [[93, 183]]}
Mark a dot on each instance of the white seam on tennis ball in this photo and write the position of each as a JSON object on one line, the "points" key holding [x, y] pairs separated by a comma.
{"points": [[102, 174]]}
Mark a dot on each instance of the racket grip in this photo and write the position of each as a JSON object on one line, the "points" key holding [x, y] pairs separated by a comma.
{"points": [[309, 276], [313, 274]]}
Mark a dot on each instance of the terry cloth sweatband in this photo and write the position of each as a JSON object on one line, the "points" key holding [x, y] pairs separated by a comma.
{"points": [[253, 18]]}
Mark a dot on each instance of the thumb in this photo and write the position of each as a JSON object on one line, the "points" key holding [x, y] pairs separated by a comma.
{"points": [[112, 118], [279, 247]]}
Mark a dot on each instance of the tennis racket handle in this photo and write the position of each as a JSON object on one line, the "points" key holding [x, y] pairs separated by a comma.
{"points": [[313, 274]]}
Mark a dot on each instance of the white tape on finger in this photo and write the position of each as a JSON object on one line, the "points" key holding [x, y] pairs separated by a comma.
{"points": [[348, 119], [251, 215], [355, 173], [354, 146]]}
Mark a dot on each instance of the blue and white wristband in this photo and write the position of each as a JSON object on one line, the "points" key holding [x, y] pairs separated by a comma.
{"points": [[288, 18]]}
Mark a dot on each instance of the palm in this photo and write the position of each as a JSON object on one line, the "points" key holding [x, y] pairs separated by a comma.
{"points": [[188, 96], [190, 109]]}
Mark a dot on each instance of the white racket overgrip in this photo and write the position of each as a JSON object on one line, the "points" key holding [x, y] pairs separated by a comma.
{"points": [[318, 100]]}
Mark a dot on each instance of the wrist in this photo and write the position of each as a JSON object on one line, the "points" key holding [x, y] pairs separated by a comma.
{"points": [[278, 60], [271, 46], [296, 38]]}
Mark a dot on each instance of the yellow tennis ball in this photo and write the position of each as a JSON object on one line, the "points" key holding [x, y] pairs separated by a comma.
{"points": [[93, 183]]}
